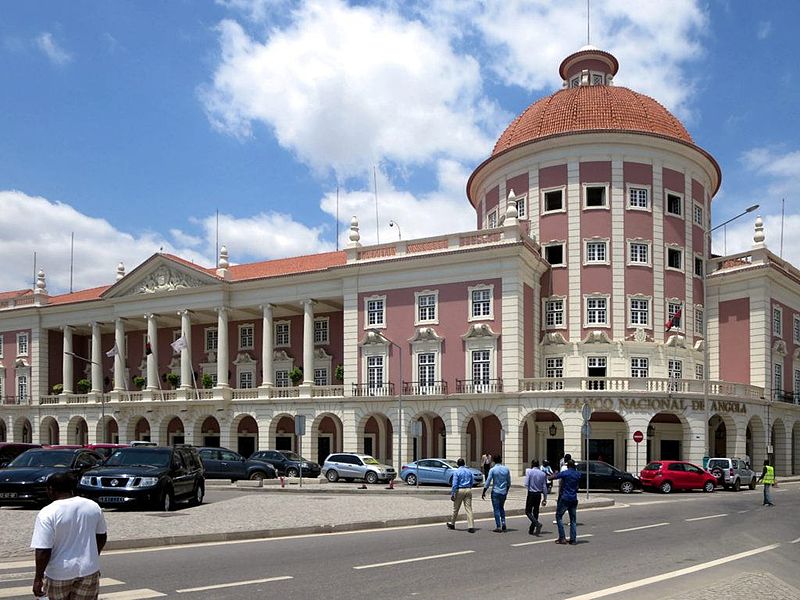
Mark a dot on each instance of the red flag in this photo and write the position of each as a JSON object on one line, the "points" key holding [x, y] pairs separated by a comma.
{"points": [[147, 349], [674, 320]]}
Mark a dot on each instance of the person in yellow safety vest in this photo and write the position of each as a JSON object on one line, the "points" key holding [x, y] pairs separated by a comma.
{"points": [[768, 479]]}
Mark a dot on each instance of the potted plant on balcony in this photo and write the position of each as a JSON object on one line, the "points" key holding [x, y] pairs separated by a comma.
{"points": [[207, 381], [139, 381], [83, 386], [296, 375], [339, 373], [174, 380], [58, 388]]}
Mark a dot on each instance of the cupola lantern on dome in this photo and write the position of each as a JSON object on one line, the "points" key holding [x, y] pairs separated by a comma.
{"points": [[588, 66]]}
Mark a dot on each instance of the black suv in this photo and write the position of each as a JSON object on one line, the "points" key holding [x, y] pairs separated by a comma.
{"points": [[287, 463], [221, 463], [605, 476], [156, 477]]}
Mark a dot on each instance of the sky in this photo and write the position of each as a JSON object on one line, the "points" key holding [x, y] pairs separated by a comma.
{"points": [[130, 124]]}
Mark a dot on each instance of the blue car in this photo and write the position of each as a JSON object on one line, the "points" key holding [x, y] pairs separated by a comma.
{"points": [[434, 470]]}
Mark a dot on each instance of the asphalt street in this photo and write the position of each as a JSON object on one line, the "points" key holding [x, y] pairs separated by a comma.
{"points": [[648, 546]]}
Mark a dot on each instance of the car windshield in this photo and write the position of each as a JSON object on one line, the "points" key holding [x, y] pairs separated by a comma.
{"points": [[138, 458], [368, 460], [653, 467], [451, 463], [42, 458], [292, 456]]}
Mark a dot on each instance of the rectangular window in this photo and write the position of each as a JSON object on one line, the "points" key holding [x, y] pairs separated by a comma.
{"points": [[674, 258], [640, 253], [698, 321], [480, 367], [426, 369], [554, 201], [675, 369], [796, 326], [22, 387], [777, 379], [637, 198], [554, 367], [596, 252], [245, 380], [596, 311], [699, 372], [698, 266], [321, 331], [212, 339], [777, 321], [22, 344], [426, 308], [375, 311], [796, 384], [491, 220], [674, 205], [481, 303], [320, 376], [595, 196], [375, 372], [282, 378], [672, 310], [1, 356], [554, 254], [520, 202], [283, 334], [554, 313], [640, 312], [246, 337], [640, 366], [698, 215]]}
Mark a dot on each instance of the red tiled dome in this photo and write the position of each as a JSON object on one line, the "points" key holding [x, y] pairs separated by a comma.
{"points": [[591, 108]]}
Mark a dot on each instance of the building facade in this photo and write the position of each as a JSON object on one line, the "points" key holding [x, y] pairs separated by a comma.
{"points": [[592, 213]]}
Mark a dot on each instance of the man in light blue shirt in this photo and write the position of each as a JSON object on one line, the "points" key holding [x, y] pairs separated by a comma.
{"points": [[461, 493], [536, 485], [500, 479]]}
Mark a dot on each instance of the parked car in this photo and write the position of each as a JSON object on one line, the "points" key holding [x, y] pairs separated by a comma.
{"points": [[668, 475], [732, 473], [434, 470], [605, 476], [221, 463], [24, 480], [9, 451], [350, 466], [105, 450], [287, 463], [156, 477]]}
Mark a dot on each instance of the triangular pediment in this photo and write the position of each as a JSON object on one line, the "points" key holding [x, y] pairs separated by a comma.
{"points": [[161, 273]]}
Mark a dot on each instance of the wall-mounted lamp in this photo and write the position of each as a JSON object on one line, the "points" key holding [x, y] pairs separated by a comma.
{"points": [[553, 430]]}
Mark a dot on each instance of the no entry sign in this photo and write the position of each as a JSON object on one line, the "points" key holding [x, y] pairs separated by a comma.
{"points": [[638, 437]]}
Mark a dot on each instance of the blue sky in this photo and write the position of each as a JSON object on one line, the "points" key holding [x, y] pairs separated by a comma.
{"points": [[131, 123]]}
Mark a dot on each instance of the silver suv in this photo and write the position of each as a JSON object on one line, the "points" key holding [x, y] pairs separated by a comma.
{"points": [[349, 466], [732, 473]]}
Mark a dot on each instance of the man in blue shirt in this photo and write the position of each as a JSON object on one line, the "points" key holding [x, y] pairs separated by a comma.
{"points": [[568, 502], [500, 478], [461, 493], [536, 485]]}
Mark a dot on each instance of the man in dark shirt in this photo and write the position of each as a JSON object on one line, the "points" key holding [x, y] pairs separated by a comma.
{"points": [[568, 502]]}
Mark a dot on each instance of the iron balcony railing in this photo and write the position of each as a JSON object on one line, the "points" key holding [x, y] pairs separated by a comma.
{"points": [[424, 388], [373, 389], [479, 386]]}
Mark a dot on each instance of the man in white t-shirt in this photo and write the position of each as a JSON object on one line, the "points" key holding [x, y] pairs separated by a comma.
{"points": [[68, 536]]}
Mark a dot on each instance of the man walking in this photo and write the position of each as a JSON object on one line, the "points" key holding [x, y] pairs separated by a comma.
{"points": [[536, 484], [68, 536], [767, 477], [461, 493], [568, 502], [500, 480], [486, 463]]}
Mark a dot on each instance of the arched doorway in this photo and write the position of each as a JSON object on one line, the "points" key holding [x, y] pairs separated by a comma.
{"points": [[432, 441], [755, 442], [796, 448], [721, 436], [49, 432], [328, 430], [666, 437], [609, 437], [542, 438], [208, 434], [246, 435], [780, 448], [375, 437], [482, 435], [77, 431], [283, 435], [141, 429], [3, 434], [107, 431], [23, 431]]}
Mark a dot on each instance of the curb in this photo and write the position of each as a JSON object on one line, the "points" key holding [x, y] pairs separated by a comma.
{"points": [[228, 536]]}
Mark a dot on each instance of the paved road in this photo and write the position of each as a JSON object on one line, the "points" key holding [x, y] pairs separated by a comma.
{"points": [[680, 546]]}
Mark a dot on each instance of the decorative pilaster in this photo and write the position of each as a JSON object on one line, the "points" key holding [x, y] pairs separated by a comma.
{"points": [[186, 351], [152, 358], [119, 358], [97, 360], [223, 353], [308, 342], [267, 345], [68, 376]]}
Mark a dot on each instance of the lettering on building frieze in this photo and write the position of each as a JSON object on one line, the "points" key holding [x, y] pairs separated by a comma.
{"points": [[722, 406], [655, 405]]}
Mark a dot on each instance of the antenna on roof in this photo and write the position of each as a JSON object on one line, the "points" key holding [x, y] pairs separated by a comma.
{"points": [[588, 15], [71, 258], [34, 270], [783, 208], [216, 239], [337, 217], [375, 182]]}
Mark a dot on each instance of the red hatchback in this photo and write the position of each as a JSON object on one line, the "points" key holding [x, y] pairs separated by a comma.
{"points": [[668, 475]]}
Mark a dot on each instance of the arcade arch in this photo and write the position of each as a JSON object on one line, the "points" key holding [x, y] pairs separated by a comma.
{"points": [[542, 437], [49, 431], [77, 431]]}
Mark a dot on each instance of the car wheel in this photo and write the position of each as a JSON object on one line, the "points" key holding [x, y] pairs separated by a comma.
{"points": [[258, 476], [665, 487], [708, 487], [752, 485], [626, 487], [167, 503], [292, 472], [737, 485], [371, 477], [411, 479], [332, 476], [199, 494]]}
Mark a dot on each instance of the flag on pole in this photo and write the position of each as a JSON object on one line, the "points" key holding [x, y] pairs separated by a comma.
{"points": [[675, 319], [179, 344], [113, 352], [147, 349]]}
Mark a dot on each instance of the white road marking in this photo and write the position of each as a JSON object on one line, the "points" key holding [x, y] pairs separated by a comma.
{"points": [[16, 576], [234, 584], [795, 541], [708, 517], [671, 575], [551, 541], [638, 528], [741, 512], [25, 590], [141, 594], [410, 560]]}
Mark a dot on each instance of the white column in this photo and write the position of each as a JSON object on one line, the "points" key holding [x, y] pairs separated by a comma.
{"points": [[97, 360], [308, 342], [267, 344], [67, 361], [119, 359], [223, 361], [152, 358], [186, 352]]}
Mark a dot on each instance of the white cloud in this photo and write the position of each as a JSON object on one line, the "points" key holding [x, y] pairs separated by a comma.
{"points": [[255, 10], [50, 48], [347, 87], [764, 30], [781, 170], [739, 236]]}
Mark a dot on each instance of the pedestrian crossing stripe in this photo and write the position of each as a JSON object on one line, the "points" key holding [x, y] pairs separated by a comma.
{"points": [[105, 582], [141, 594], [13, 592]]}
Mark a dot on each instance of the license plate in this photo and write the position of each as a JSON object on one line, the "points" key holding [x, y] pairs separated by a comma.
{"points": [[8, 494], [111, 499]]}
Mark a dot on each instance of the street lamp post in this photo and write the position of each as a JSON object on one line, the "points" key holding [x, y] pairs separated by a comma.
{"points": [[706, 368], [399, 398]]}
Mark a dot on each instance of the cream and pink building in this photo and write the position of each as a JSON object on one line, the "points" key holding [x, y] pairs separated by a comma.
{"points": [[593, 213]]}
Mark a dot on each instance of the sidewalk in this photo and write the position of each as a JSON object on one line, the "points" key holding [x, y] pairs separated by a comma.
{"points": [[261, 515]]}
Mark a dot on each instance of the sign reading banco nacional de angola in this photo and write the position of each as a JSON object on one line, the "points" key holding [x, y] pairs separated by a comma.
{"points": [[655, 405]]}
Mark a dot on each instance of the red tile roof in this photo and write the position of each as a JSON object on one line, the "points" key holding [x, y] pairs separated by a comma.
{"points": [[14, 294], [79, 296], [287, 266]]}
